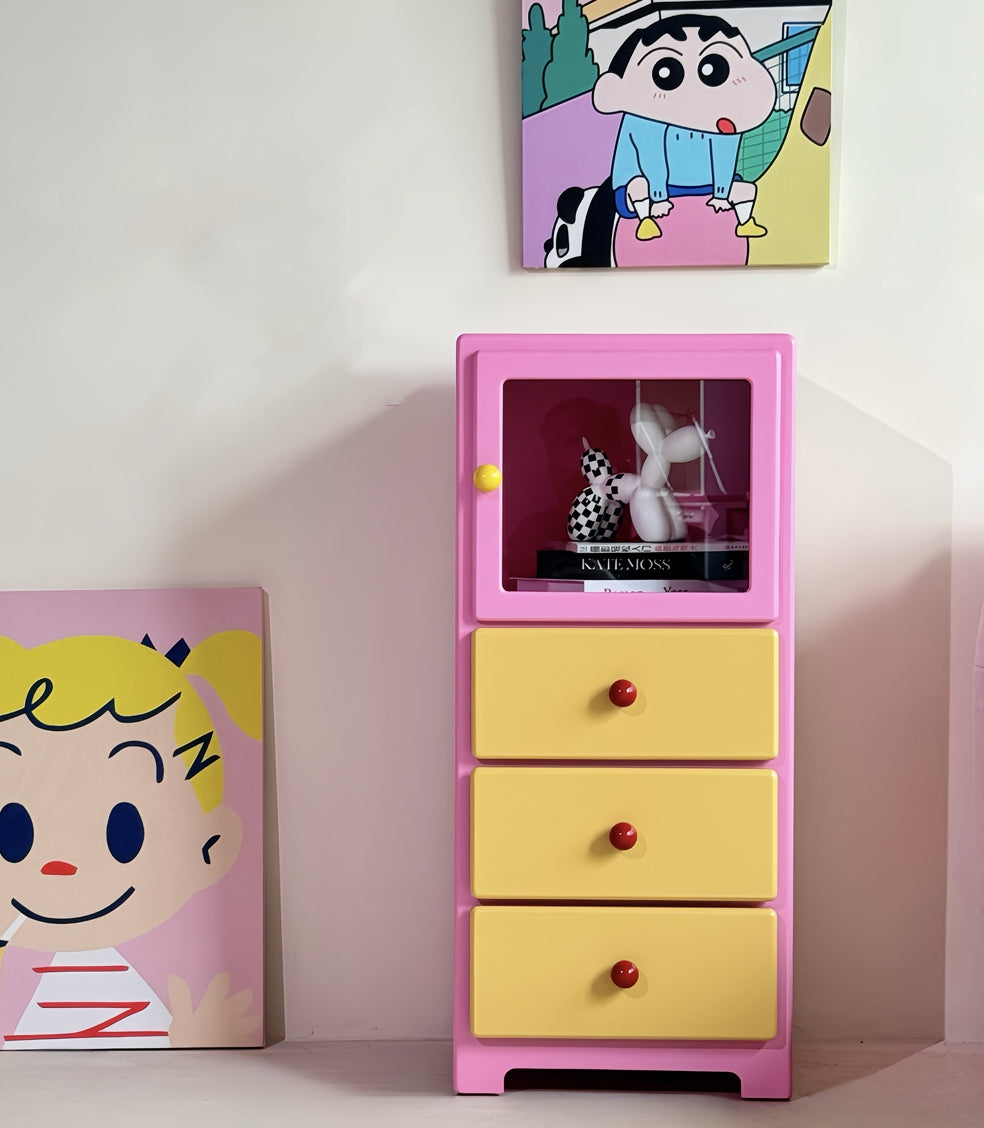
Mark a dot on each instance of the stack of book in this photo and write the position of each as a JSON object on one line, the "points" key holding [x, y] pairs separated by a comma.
{"points": [[641, 566]]}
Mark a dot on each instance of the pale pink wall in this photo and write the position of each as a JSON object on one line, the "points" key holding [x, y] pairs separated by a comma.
{"points": [[233, 341]]}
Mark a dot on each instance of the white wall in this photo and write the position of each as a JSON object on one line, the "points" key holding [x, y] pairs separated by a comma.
{"points": [[239, 238]]}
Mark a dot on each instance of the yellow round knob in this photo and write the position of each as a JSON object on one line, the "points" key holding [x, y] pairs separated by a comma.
{"points": [[488, 477]]}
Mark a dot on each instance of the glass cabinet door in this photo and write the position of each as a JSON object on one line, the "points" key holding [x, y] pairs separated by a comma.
{"points": [[635, 483]]}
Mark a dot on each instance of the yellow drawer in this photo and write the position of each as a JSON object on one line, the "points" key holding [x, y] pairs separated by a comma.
{"points": [[547, 973], [701, 834], [542, 693]]}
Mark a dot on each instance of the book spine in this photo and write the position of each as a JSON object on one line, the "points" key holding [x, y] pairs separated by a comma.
{"points": [[641, 548], [553, 564]]}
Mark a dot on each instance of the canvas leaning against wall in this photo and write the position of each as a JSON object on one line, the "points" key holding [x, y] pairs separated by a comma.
{"points": [[131, 768], [683, 134]]}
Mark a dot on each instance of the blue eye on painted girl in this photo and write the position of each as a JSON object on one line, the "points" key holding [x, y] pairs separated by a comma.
{"points": [[124, 832], [16, 832]]}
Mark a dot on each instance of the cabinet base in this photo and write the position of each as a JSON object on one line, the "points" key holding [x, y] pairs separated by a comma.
{"points": [[764, 1073]]}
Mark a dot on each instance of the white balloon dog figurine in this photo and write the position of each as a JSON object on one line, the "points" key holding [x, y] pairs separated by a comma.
{"points": [[653, 506], [596, 512]]}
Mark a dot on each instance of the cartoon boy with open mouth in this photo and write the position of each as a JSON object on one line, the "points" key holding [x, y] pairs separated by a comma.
{"points": [[688, 87]]}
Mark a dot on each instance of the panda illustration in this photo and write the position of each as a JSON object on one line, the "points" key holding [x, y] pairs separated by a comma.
{"points": [[584, 232]]}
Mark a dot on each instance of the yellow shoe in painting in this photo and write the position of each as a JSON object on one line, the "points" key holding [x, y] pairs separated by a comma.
{"points": [[648, 229], [750, 230]]}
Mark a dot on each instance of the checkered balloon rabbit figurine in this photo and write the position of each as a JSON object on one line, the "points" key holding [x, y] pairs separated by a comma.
{"points": [[598, 509]]}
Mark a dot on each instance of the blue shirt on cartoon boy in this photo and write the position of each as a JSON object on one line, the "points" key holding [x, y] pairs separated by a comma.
{"points": [[674, 161], [688, 87]]}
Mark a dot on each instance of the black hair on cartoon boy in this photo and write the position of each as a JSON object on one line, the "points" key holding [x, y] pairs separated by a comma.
{"points": [[674, 26]]}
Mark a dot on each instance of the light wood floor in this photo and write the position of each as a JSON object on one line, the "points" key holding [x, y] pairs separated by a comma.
{"points": [[405, 1084]]}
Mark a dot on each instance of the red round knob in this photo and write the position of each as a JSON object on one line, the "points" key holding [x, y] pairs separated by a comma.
{"points": [[622, 693], [623, 836], [625, 974]]}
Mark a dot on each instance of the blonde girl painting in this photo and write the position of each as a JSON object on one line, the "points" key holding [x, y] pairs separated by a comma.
{"points": [[130, 822]]}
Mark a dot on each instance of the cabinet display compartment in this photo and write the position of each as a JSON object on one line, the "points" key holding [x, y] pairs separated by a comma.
{"points": [[623, 727]]}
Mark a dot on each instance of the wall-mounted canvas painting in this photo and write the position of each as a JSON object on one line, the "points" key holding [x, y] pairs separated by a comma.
{"points": [[687, 134], [131, 769]]}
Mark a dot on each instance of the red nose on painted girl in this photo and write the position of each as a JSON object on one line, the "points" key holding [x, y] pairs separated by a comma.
{"points": [[60, 869], [726, 125]]}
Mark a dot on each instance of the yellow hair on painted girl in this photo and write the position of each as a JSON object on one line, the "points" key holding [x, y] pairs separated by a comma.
{"points": [[70, 680]]}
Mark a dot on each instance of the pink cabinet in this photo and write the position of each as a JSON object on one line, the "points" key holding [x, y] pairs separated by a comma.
{"points": [[526, 406], [624, 628]]}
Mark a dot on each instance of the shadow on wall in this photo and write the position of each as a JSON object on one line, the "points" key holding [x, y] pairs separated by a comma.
{"points": [[355, 548], [873, 606], [965, 889], [968, 649]]}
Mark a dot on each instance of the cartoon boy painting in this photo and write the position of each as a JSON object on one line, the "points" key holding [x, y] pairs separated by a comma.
{"points": [[689, 87], [111, 820]]}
